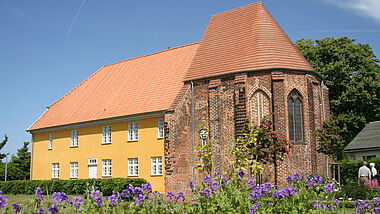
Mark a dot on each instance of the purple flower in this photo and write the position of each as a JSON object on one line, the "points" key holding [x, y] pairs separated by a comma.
{"points": [[329, 188], [58, 197], [181, 195], [215, 185], [289, 179], [170, 195], [218, 175], [254, 208], [336, 202], [94, 194], [140, 199], [39, 195], [377, 210], [251, 183], [191, 185], [1, 192], [99, 201], [113, 200], [225, 180], [207, 192], [147, 187], [376, 202], [3, 201], [329, 206], [296, 176], [16, 208], [207, 179], [53, 209], [125, 193], [77, 201], [322, 205], [241, 173], [270, 203], [137, 191], [40, 211]]}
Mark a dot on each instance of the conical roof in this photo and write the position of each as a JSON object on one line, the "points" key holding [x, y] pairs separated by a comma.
{"points": [[245, 38]]}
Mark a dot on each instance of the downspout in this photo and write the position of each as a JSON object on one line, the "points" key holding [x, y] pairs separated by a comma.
{"points": [[31, 157], [324, 118], [192, 128]]}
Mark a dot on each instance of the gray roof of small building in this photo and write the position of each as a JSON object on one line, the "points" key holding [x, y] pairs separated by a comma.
{"points": [[367, 139]]}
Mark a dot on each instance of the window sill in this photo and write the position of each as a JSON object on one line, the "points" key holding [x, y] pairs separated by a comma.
{"points": [[133, 141], [160, 138], [50, 149], [74, 178], [133, 175], [105, 143], [106, 176], [156, 175], [300, 143], [74, 146], [55, 178]]}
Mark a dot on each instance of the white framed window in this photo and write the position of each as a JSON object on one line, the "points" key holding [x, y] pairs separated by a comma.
{"points": [[51, 141], [74, 170], [133, 167], [133, 131], [92, 161], [160, 128], [156, 165], [55, 170], [74, 138], [107, 134], [107, 168]]}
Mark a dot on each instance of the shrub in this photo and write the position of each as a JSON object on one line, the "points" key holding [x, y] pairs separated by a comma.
{"points": [[69, 186], [354, 191]]}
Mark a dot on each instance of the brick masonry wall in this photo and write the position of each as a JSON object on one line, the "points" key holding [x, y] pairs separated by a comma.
{"points": [[223, 104]]}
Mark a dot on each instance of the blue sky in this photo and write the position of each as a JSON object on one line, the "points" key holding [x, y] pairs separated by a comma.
{"points": [[47, 47]]}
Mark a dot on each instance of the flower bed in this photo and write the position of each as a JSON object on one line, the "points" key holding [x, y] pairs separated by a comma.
{"points": [[217, 194]]}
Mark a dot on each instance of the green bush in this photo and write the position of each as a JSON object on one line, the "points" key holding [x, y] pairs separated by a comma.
{"points": [[354, 191], [349, 169], [69, 186]]}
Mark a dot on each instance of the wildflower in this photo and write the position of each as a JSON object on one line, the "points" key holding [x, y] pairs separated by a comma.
{"points": [[253, 209], [58, 197], [170, 195], [270, 203], [329, 207], [181, 195], [289, 179], [77, 201], [39, 195], [137, 191], [191, 185], [296, 176], [99, 201], [329, 188], [241, 173], [377, 210], [3, 201], [125, 193], [94, 194], [40, 211], [207, 192], [207, 179], [140, 199], [251, 183], [16, 208], [336, 202], [215, 185], [225, 180], [1, 192], [147, 187], [376, 202], [53, 209], [113, 200]]}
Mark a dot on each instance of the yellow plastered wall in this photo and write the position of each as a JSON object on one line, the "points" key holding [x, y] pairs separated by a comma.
{"points": [[90, 146]]}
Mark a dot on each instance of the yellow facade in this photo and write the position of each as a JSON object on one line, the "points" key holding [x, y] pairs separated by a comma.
{"points": [[90, 145]]}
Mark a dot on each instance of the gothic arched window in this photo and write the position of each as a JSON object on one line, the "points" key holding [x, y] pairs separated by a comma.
{"points": [[295, 117]]}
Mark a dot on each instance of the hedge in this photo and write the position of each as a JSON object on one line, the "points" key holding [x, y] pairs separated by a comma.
{"points": [[349, 169], [77, 187]]}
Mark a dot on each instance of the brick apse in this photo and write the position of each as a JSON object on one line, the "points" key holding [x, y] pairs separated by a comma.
{"points": [[244, 69]]}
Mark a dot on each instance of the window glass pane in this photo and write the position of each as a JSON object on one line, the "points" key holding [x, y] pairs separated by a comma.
{"points": [[291, 118], [299, 124]]}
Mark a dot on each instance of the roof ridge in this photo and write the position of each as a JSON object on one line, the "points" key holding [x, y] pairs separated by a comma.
{"points": [[88, 78], [254, 3], [170, 49]]}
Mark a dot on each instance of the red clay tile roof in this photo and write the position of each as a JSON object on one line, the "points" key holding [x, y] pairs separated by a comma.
{"points": [[245, 38], [140, 85]]}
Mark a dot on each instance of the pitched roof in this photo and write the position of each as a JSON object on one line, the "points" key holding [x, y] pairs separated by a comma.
{"points": [[245, 38], [368, 138], [140, 85]]}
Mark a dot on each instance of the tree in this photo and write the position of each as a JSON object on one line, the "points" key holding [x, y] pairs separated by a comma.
{"points": [[330, 140], [22, 163], [352, 74], [2, 144], [261, 143]]}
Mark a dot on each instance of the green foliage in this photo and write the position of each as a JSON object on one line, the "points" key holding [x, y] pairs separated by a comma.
{"points": [[349, 169], [330, 141], [22, 163], [69, 186], [2, 144], [352, 74], [354, 191], [203, 154]]}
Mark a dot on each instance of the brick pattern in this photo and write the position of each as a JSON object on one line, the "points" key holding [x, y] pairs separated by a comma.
{"points": [[224, 104]]}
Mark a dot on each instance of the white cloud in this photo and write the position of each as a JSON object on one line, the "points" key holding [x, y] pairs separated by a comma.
{"points": [[369, 8]]}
